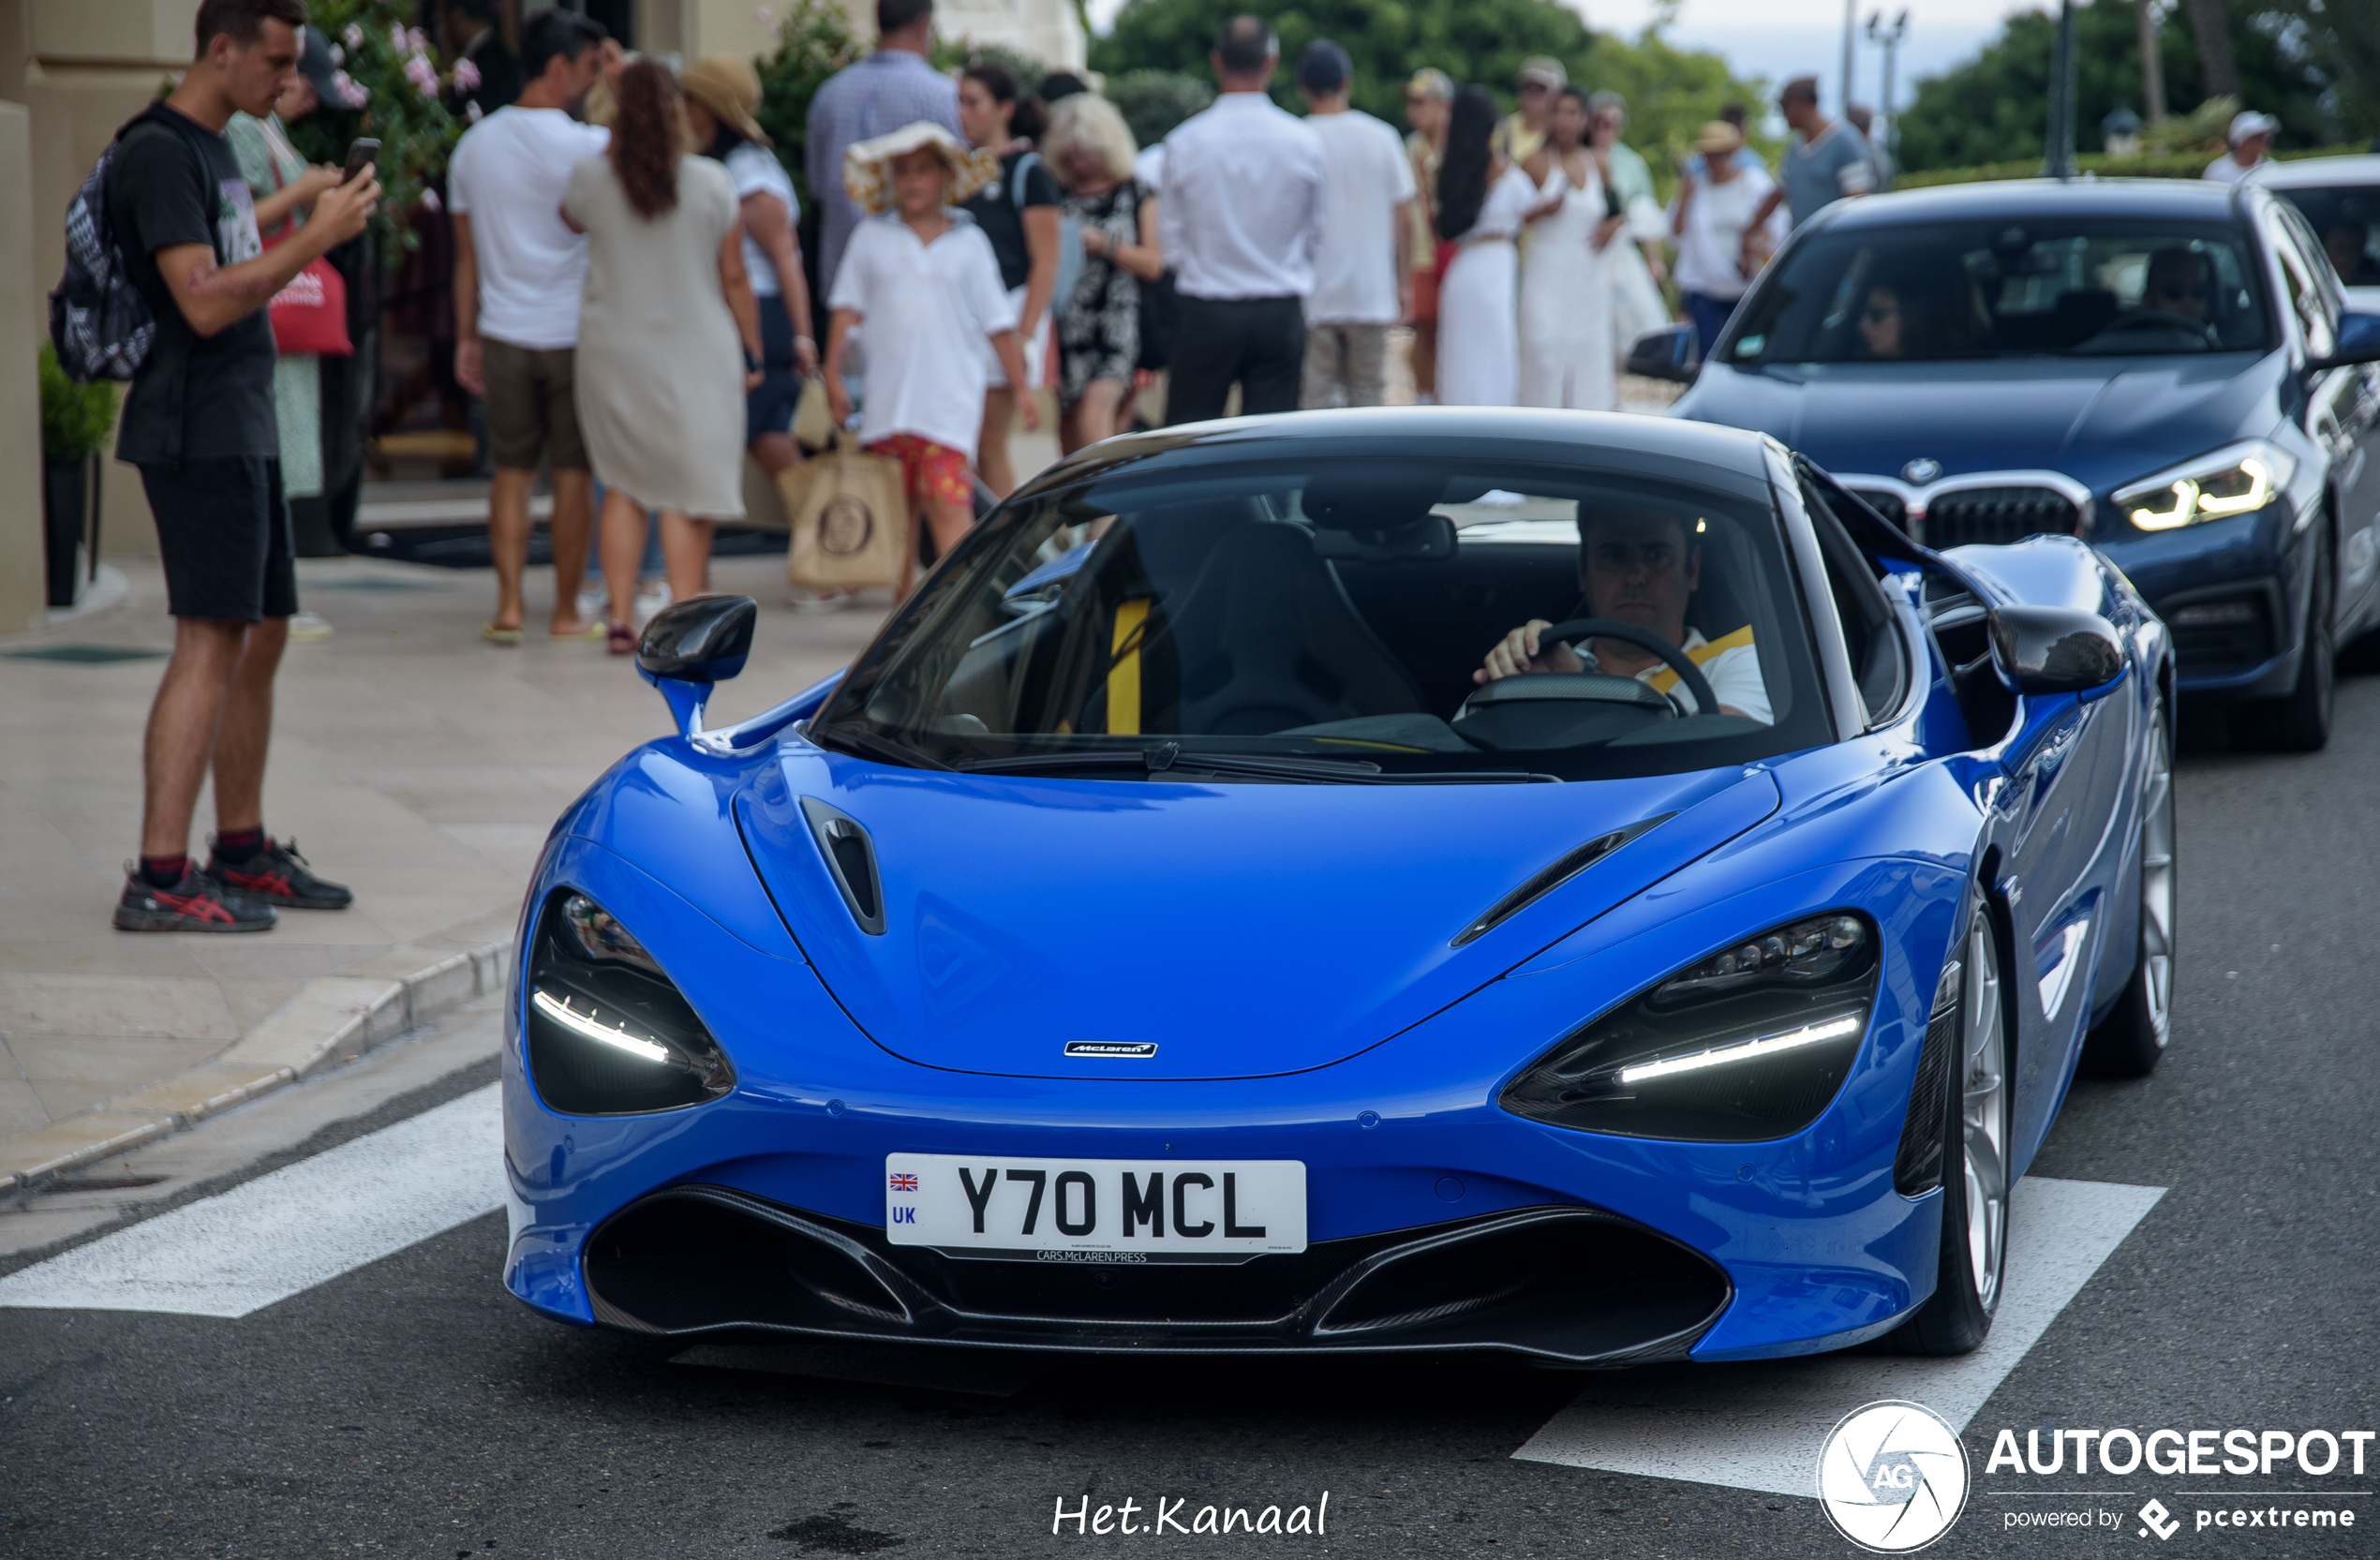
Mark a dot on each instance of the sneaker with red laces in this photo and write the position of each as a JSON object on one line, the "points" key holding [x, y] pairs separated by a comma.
{"points": [[278, 875], [197, 903]]}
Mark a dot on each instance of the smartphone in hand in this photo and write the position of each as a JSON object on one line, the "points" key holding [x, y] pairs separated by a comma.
{"points": [[361, 153]]}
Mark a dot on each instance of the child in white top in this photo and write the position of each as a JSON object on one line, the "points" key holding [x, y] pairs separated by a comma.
{"points": [[924, 280]]}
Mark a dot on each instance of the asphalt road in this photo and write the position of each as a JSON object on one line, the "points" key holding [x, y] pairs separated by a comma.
{"points": [[409, 1407]]}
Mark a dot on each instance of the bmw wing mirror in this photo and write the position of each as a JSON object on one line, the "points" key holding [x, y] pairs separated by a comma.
{"points": [[690, 646], [2358, 341], [2054, 651], [1671, 352]]}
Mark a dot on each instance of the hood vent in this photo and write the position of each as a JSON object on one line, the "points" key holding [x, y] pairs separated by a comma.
{"points": [[852, 861], [1551, 878]]}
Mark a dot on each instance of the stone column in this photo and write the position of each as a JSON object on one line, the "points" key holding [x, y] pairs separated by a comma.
{"points": [[23, 604]]}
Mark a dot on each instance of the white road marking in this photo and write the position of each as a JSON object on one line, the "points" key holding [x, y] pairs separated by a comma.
{"points": [[284, 1233], [1758, 1425]]}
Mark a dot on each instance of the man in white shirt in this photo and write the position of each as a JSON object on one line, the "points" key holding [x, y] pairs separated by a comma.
{"points": [[1642, 568], [1363, 271], [518, 274], [2250, 145], [1239, 223]]}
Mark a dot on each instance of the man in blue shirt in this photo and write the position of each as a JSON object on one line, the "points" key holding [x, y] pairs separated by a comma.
{"points": [[1827, 162], [890, 88]]}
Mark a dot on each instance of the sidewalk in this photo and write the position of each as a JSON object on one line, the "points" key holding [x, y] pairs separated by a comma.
{"points": [[410, 760]]}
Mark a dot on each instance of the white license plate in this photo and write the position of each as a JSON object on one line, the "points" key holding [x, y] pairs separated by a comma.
{"points": [[1096, 1210]]}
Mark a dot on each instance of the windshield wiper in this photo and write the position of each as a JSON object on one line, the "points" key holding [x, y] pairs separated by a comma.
{"points": [[1172, 756], [867, 744]]}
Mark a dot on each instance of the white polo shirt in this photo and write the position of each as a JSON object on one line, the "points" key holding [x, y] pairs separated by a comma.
{"points": [[925, 311]]}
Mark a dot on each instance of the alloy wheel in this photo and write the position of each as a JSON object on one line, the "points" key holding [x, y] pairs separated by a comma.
{"points": [[1984, 1112], [2157, 893]]}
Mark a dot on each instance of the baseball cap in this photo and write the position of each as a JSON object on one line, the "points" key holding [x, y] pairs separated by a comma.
{"points": [[2248, 122], [1323, 67], [1543, 70], [1433, 83], [319, 68]]}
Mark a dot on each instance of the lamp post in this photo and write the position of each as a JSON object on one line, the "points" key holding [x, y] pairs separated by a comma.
{"points": [[2059, 161], [1889, 40], [1851, 31]]}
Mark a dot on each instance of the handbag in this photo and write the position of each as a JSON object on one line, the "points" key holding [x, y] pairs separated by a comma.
{"points": [[309, 315], [850, 521]]}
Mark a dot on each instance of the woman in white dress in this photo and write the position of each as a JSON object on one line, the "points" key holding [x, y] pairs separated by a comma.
{"points": [[1483, 202], [1566, 285]]}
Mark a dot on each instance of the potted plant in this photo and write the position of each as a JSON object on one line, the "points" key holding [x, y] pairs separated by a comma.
{"points": [[76, 420]]}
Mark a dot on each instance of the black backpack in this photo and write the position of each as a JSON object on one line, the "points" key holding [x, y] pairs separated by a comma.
{"points": [[99, 322]]}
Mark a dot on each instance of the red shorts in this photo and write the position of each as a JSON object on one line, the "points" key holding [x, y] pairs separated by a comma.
{"points": [[929, 471]]}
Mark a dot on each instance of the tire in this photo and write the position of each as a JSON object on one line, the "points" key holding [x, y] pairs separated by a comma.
{"points": [[2131, 1040], [1975, 1132], [2300, 722]]}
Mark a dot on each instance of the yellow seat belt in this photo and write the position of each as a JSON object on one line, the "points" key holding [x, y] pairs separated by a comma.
{"points": [[1124, 674], [1701, 655]]}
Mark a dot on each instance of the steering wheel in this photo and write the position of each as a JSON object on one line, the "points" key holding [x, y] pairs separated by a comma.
{"points": [[2162, 319], [1605, 628]]}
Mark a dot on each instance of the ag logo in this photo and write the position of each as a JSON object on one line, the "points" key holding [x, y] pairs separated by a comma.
{"points": [[844, 526], [1893, 1477]]}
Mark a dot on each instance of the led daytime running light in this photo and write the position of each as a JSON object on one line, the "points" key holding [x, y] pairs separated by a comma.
{"points": [[583, 1023], [2191, 502], [1833, 1028]]}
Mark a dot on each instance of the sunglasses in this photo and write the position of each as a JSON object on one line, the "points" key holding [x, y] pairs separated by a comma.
{"points": [[1876, 313]]}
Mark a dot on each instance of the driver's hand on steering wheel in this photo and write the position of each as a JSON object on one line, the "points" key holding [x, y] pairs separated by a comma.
{"points": [[1517, 652]]}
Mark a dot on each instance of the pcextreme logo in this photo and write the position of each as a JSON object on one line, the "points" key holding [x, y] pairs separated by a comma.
{"points": [[1892, 1477]]}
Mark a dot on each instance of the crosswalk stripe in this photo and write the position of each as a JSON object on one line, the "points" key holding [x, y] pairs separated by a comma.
{"points": [[1758, 1425], [285, 1232]]}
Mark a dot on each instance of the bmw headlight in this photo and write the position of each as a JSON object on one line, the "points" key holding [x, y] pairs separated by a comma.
{"points": [[2239, 479], [1748, 1044], [608, 1033]]}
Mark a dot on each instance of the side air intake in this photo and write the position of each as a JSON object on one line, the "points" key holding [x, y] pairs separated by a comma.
{"points": [[851, 858]]}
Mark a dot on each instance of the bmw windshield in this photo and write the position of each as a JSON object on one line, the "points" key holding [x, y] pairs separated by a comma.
{"points": [[1359, 615], [2062, 287]]}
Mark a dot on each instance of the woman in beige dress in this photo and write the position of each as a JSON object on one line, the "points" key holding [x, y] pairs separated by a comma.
{"points": [[659, 378]]}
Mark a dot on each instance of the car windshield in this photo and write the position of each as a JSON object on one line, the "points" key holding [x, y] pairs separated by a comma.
{"points": [[2346, 218], [1336, 619], [2005, 289]]}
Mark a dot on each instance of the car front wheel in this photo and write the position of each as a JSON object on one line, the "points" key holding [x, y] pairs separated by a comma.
{"points": [[1976, 1121]]}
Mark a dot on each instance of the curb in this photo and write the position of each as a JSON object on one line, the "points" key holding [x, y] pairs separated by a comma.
{"points": [[333, 1019]]}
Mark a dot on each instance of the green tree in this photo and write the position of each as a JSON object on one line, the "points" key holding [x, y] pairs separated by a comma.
{"points": [[813, 42], [1669, 91], [1152, 102], [2340, 43], [1995, 107]]}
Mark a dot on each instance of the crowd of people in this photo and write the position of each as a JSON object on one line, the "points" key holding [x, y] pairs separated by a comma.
{"points": [[633, 307]]}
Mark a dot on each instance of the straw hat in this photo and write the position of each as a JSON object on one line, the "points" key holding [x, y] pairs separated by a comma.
{"points": [[868, 164], [726, 86], [1718, 138]]}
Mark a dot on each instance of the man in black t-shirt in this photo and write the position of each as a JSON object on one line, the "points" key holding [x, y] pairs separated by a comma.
{"points": [[199, 424]]}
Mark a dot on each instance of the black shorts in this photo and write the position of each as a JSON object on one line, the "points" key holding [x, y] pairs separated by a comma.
{"points": [[768, 405], [223, 532]]}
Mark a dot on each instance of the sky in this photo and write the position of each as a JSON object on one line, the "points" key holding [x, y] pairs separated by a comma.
{"points": [[1782, 39]]}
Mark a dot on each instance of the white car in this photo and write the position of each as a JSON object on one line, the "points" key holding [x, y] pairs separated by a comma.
{"points": [[2341, 199]]}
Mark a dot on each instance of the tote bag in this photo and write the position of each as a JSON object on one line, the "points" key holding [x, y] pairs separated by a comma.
{"points": [[849, 520], [309, 315]]}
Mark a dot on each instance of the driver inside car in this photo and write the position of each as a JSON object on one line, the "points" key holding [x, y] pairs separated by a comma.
{"points": [[2177, 283], [1642, 570]]}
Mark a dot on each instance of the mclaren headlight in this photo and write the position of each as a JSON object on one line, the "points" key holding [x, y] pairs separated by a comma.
{"points": [[2239, 479], [608, 1034], [1750, 1042]]}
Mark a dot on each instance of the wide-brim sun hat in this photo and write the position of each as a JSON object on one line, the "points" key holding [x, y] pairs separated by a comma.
{"points": [[1718, 138], [868, 164], [729, 88]]}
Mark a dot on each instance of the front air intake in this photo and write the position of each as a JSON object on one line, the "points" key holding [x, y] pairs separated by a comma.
{"points": [[851, 860]]}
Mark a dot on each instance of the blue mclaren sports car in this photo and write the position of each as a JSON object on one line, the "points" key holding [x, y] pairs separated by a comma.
{"points": [[1423, 880]]}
